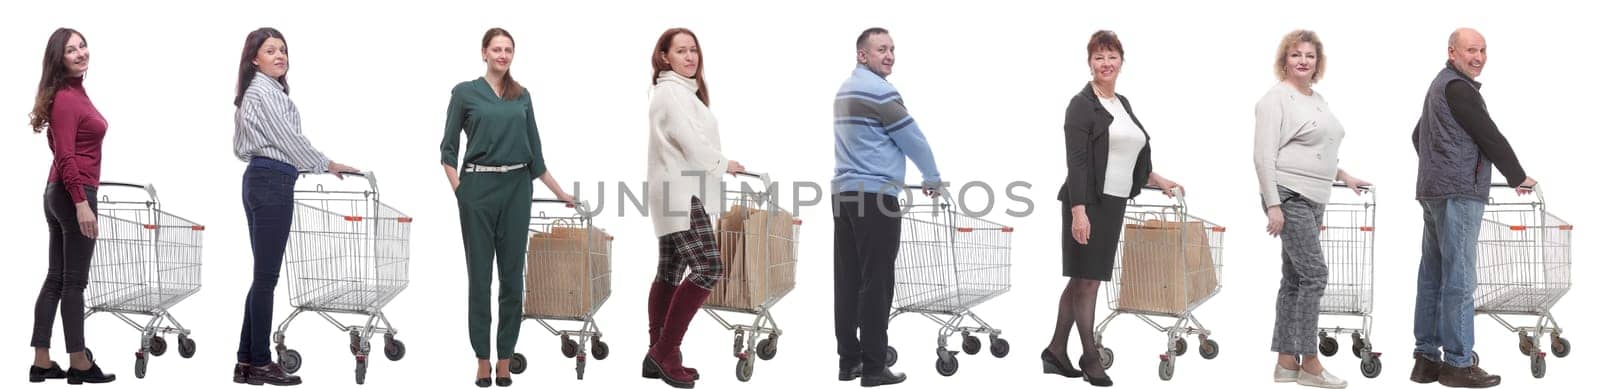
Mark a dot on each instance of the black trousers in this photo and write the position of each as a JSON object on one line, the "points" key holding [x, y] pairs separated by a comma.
{"points": [[70, 256], [866, 240]]}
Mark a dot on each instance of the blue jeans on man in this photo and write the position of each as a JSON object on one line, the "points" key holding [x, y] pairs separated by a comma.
{"points": [[1446, 280]]}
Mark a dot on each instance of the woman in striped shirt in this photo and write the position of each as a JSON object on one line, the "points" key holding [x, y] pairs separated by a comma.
{"points": [[267, 135]]}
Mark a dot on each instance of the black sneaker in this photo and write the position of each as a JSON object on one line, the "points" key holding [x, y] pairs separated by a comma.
{"points": [[39, 374], [93, 376], [271, 374]]}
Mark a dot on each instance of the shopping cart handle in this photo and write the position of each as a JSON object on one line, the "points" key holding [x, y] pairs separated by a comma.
{"points": [[1538, 189], [149, 189]]}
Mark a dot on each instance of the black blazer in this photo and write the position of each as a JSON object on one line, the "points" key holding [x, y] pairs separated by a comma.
{"points": [[1088, 146]]}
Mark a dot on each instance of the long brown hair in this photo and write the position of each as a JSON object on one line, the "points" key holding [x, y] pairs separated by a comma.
{"points": [[509, 88], [658, 65], [52, 78], [247, 64]]}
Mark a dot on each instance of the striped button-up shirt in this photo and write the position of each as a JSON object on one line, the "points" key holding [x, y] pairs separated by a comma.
{"points": [[267, 124]]}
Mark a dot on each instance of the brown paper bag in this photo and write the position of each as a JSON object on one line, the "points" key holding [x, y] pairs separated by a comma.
{"points": [[1152, 277], [568, 272]]}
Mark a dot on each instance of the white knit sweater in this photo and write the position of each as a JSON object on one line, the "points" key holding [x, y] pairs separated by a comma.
{"points": [[1296, 144], [683, 141]]}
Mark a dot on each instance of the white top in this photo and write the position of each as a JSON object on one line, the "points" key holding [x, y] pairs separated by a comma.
{"points": [[1126, 141], [1297, 144], [683, 141]]}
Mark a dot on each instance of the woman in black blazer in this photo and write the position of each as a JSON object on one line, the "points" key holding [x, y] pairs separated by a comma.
{"points": [[1108, 162]]}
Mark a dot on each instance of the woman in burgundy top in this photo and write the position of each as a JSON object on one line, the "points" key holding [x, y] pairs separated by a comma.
{"points": [[75, 130]]}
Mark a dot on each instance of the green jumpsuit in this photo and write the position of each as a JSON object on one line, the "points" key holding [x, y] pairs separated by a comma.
{"points": [[494, 206]]}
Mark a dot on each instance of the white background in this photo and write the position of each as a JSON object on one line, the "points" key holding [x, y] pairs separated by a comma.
{"points": [[988, 83]]}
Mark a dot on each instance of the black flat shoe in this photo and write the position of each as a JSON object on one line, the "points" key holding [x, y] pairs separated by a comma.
{"points": [[271, 374], [39, 374], [1053, 365], [882, 377], [850, 374], [502, 381], [92, 376], [483, 382]]}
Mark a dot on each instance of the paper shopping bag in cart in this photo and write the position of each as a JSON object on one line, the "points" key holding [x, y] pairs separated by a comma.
{"points": [[1157, 256], [568, 273], [754, 246]]}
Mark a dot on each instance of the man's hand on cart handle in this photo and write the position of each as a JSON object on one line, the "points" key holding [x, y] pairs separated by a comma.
{"points": [[339, 169], [1527, 186]]}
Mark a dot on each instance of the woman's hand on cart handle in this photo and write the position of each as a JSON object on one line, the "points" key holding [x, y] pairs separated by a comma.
{"points": [[87, 224], [339, 169], [1355, 184], [567, 198], [734, 167], [1168, 187], [1080, 224], [1274, 220]]}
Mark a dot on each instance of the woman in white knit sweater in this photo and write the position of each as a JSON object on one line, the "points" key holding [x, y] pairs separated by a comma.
{"points": [[685, 177], [1296, 158]]}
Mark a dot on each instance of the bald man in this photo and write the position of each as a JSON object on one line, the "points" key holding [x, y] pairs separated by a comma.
{"points": [[1456, 142]]}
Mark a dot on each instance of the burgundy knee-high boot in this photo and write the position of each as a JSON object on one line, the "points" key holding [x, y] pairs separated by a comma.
{"points": [[660, 298], [664, 357]]}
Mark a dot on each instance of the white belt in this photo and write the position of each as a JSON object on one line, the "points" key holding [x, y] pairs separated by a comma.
{"points": [[475, 168]]}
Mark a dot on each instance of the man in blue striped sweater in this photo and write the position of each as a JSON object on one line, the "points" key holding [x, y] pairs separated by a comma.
{"points": [[873, 136]]}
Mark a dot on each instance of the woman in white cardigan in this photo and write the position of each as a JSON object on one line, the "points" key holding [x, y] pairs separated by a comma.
{"points": [[1297, 159], [685, 178]]}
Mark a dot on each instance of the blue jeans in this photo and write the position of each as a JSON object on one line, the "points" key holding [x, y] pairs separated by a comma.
{"points": [[1446, 280], [268, 192]]}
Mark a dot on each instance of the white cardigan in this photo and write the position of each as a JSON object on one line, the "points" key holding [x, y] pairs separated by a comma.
{"points": [[683, 140]]}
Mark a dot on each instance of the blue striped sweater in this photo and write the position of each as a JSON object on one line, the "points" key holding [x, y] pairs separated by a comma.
{"points": [[873, 136]]}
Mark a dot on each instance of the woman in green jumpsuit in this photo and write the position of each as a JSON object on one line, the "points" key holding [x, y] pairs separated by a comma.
{"points": [[494, 191]]}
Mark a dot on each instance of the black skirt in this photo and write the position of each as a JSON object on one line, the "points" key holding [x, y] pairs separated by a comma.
{"points": [[1094, 260]]}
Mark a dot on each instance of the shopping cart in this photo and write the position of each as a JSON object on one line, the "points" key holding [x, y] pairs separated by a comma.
{"points": [[145, 262], [1347, 233], [759, 254], [949, 263], [569, 278], [348, 254], [1524, 268], [1168, 264]]}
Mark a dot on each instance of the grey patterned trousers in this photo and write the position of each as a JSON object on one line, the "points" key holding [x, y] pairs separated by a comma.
{"points": [[1305, 275]]}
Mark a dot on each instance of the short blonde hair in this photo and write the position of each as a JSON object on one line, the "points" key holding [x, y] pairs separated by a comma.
{"points": [[1292, 39]]}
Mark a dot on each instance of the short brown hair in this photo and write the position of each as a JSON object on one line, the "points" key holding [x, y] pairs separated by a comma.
{"points": [[1104, 40], [1292, 39]]}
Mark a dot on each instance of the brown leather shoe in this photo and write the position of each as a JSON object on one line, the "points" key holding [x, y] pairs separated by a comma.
{"points": [[1426, 371], [1466, 377]]}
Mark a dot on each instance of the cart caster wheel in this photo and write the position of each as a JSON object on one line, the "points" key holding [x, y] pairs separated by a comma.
{"points": [[361, 370], [600, 350], [1525, 344], [999, 347], [186, 347], [1538, 366], [158, 345], [947, 366], [519, 363], [355, 343], [1371, 367], [1358, 345], [891, 357], [1561, 347], [1209, 349], [766, 349], [140, 364], [1106, 357], [1328, 346], [745, 369], [394, 349], [1475, 359], [738, 343], [1166, 369], [290, 360], [1180, 347], [569, 348]]}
